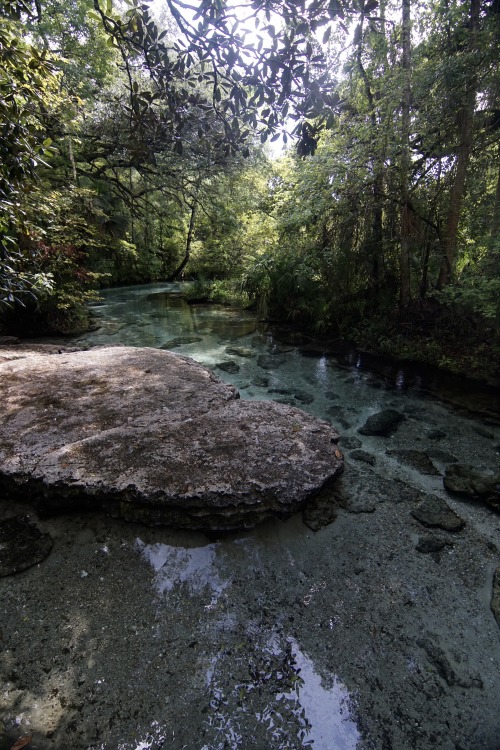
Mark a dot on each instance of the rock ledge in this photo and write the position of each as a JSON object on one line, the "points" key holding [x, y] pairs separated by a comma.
{"points": [[154, 437]]}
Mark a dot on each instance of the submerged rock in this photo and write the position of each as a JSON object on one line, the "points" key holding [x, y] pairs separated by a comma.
{"points": [[418, 460], [350, 443], [240, 351], [443, 457], [431, 544], [340, 416], [332, 396], [321, 511], [382, 423], [445, 666], [478, 484], [22, 545], [230, 367], [270, 361], [360, 455], [303, 397], [434, 511], [181, 341], [260, 381], [484, 431], [154, 437], [435, 434]]}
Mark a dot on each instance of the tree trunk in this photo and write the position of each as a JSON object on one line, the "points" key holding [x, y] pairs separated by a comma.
{"points": [[374, 241], [72, 160], [495, 222], [404, 260], [175, 275], [465, 123]]}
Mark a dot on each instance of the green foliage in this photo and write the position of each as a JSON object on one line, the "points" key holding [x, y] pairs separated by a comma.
{"points": [[211, 76], [27, 90], [220, 291], [284, 286], [119, 175], [85, 60], [62, 232]]}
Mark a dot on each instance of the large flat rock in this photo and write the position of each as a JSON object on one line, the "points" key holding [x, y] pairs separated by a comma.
{"points": [[154, 437]]}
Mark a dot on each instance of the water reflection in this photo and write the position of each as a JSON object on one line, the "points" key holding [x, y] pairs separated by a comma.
{"points": [[154, 314], [325, 705], [193, 567], [279, 698]]}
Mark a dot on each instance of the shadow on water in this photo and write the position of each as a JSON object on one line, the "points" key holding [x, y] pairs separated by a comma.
{"points": [[469, 394]]}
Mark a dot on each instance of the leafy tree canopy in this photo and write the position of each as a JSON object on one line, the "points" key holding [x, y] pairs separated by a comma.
{"points": [[249, 65]]}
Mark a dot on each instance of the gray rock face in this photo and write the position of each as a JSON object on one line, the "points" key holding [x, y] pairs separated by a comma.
{"points": [[154, 437]]}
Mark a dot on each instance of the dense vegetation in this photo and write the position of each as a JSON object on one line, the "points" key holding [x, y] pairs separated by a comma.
{"points": [[134, 147]]}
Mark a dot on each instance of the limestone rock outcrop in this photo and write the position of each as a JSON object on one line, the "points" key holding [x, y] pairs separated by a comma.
{"points": [[155, 437]]}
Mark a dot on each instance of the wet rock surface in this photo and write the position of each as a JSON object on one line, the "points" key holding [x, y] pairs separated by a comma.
{"points": [[154, 437]]}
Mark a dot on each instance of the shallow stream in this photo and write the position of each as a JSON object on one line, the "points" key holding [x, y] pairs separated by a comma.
{"points": [[353, 637]]}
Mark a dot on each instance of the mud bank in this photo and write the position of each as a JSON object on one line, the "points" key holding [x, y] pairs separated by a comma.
{"points": [[137, 638]]}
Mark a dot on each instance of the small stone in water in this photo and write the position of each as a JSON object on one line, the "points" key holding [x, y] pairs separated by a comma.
{"points": [[303, 397], [230, 367], [360, 455], [240, 351]]}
